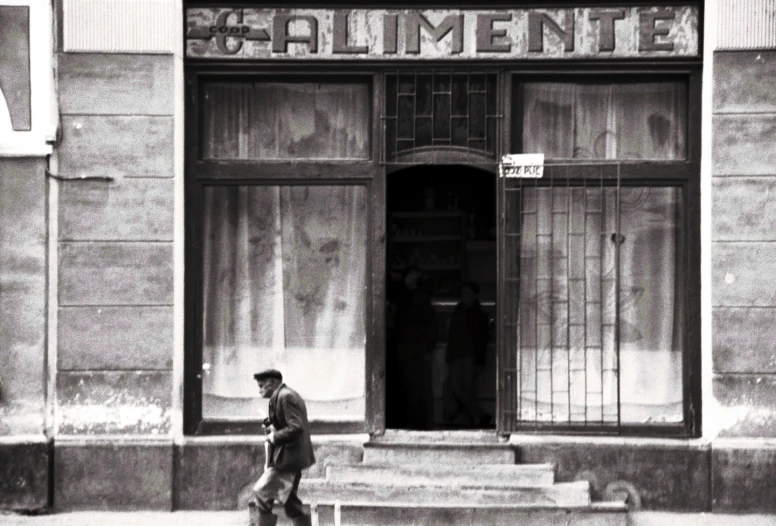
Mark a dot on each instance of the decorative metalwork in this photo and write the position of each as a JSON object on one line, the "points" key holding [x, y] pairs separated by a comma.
{"points": [[440, 111]]}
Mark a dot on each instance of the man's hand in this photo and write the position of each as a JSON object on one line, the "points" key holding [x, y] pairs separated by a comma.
{"points": [[270, 437]]}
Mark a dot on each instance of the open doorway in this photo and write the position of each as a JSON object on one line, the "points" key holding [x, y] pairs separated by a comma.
{"points": [[441, 265]]}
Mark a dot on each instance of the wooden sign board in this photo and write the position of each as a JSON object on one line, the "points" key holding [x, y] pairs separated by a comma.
{"points": [[451, 34]]}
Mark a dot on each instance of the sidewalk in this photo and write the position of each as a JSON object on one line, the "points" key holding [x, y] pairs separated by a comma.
{"points": [[240, 518]]}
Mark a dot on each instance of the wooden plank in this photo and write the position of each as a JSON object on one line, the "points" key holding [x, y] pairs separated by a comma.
{"points": [[752, 398], [744, 209], [376, 357], [115, 338], [743, 81], [115, 84], [115, 273], [130, 210], [743, 340], [744, 145], [114, 402], [116, 146], [743, 274]]}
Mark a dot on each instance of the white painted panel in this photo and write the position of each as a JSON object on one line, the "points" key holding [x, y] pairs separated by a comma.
{"points": [[120, 26], [746, 24]]}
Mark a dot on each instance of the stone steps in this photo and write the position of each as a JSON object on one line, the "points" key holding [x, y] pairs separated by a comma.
{"points": [[568, 494], [388, 514], [475, 436], [449, 479], [415, 453], [487, 475]]}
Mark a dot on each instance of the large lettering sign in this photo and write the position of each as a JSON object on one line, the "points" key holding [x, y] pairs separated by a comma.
{"points": [[327, 34]]}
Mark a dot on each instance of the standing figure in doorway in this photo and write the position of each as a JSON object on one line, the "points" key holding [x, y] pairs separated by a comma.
{"points": [[290, 450], [415, 339], [467, 343]]}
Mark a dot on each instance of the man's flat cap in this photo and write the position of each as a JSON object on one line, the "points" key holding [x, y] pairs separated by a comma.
{"points": [[267, 374]]}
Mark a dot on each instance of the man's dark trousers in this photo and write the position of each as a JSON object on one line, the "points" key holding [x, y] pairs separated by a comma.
{"points": [[293, 507]]}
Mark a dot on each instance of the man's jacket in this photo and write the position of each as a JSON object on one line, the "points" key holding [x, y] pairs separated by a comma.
{"points": [[293, 449]]}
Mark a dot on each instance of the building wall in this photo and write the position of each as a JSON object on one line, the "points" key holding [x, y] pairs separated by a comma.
{"points": [[743, 255], [112, 444], [23, 450], [115, 256]]}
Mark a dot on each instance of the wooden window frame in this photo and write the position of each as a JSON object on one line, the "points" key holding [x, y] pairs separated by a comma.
{"points": [[683, 173], [372, 173], [200, 173]]}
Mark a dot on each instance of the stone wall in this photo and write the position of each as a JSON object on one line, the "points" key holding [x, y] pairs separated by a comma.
{"points": [[744, 258], [114, 379], [23, 449]]}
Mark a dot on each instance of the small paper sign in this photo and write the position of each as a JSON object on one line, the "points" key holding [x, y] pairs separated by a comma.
{"points": [[529, 165]]}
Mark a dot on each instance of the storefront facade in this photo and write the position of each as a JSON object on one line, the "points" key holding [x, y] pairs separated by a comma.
{"points": [[254, 183]]}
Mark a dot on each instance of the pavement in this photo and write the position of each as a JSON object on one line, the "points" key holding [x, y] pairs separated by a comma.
{"points": [[240, 518]]}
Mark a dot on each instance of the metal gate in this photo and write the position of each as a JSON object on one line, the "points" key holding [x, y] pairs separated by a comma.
{"points": [[559, 272]]}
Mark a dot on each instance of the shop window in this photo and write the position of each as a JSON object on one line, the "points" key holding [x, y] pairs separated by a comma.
{"points": [[596, 281], [592, 260], [605, 121], [284, 285], [286, 120], [448, 109]]}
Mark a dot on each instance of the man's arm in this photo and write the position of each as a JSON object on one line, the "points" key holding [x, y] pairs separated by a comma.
{"points": [[292, 410]]}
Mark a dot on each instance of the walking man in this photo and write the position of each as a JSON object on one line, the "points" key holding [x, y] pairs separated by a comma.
{"points": [[289, 450]]}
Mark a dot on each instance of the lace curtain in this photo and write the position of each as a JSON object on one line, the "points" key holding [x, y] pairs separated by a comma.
{"points": [[284, 286], [291, 120], [571, 287], [605, 121]]}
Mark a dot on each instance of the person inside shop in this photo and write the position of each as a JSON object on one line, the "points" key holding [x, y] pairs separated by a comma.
{"points": [[467, 343], [415, 336], [289, 450]]}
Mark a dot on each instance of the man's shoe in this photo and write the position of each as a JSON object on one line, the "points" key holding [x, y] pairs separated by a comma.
{"points": [[268, 519], [302, 520]]}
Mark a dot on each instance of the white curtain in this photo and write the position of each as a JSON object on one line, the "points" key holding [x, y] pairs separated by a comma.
{"points": [[568, 305], [284, 286], [276, 120], [569, 280], [605, 121]]}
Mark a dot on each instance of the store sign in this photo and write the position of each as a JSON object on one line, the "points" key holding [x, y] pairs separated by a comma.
{"points": [[526, 165], [379, 34]]}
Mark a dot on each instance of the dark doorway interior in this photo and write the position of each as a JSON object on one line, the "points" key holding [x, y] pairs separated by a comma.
{"points": [[442, 221]]}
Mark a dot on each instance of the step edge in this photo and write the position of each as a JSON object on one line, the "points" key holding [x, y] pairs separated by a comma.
{"points": [[436, 445], [576, 486], [537, 468], [590, 508]]}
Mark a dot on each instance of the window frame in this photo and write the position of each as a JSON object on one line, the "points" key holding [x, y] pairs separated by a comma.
{"points": [[683, 173], [200, 173]]}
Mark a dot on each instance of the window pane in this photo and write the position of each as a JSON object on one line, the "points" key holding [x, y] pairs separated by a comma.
{"points": [[440, 109], [581, 269], [605, 121], [284, 286], [276, 120]]}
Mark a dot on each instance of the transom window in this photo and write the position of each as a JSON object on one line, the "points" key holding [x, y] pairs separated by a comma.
{"points": [[448, 109]]}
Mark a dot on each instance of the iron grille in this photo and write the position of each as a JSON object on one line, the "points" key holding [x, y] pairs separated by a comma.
{"points": [[561, 244], [438, 110]]}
